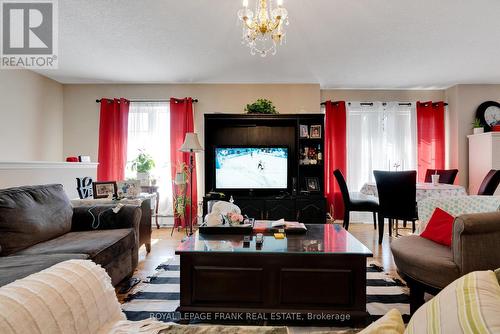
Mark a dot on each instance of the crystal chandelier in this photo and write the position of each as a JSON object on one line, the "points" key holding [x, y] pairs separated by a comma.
{"points": [[263, 29]]}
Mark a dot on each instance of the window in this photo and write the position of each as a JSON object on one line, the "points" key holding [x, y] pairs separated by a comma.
{"points": [[149, 130], [380, 136]]}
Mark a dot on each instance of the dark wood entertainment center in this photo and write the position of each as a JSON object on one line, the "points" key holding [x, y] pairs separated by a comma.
{"points": [[296, 203]]}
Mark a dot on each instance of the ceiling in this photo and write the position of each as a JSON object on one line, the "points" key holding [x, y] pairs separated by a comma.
{"points": [[373, 44]]}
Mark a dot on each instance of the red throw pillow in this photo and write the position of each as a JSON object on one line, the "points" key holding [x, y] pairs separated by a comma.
{"points": [[439, 228]]}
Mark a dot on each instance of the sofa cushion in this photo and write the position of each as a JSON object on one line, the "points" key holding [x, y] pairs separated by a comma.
{"points": [[424, 260], [29, 215], [102, 246], [471, 304], [390, 323], [439, 228], [19, 266]]}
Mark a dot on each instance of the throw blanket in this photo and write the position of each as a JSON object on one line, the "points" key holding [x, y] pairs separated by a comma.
{"points": [[455, 206], [76, 296]]}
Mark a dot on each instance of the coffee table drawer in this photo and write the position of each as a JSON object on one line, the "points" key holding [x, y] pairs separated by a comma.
{"points": [[315, 287], [227, 284]]}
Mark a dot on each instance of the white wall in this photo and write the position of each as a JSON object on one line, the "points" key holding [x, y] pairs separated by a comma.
{"points": [[463, 101], [31, 117], [14, 174]]}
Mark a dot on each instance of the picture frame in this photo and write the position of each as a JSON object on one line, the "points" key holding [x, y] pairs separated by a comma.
{"points": [[304, 131], [84, 187], [84, 158], [104, 189], [128, 188], [315, 131], [312, 184]]}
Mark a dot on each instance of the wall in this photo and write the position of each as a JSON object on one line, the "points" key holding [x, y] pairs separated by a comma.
{"points": [[81, 112], [31, 113], [463, 101], [16, 174], [382, 95]]}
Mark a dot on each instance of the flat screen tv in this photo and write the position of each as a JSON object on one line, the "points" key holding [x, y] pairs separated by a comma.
{"points": [[252, 168]]}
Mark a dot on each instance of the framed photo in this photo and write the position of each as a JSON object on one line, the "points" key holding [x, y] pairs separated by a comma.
{"points": [[312, 184], [84, 158], [128, 188], [104, 189], [304, 131], [315, 131]]}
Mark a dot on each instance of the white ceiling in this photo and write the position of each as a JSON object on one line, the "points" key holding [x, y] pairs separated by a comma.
{"points": [[336, 43]]}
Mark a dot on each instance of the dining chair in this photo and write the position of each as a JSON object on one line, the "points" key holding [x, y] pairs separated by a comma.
{"points": [[356, 205], [397, 198], [490, 183], [446, 176]]}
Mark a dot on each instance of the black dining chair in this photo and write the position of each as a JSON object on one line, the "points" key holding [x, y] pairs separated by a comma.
{"points": [[446, 176], [396, 197], [350, 204], [490, 183]]}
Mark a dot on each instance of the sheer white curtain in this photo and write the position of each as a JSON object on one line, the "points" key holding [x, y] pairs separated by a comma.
{"points": [[149, 130], [379, 137]]}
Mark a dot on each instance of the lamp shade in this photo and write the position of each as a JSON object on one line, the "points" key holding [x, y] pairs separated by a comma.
{"points": [[191, 143]]}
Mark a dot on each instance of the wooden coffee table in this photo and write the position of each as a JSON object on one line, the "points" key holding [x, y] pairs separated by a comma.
{"points": [[320, 275]]}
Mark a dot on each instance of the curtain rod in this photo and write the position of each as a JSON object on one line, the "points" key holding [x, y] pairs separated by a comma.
{"points": [[160, 100], [371, 103]]}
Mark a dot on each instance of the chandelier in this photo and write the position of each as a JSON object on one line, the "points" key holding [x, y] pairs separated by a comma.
{"points": [[263, 29]]}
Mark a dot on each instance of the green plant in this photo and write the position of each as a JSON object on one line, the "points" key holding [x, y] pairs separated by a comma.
{"points": [[181, 200], [261, 106], [144, 163], [477, 123]]}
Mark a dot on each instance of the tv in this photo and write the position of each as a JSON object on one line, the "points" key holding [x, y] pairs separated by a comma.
{"points": [[251, 168]]}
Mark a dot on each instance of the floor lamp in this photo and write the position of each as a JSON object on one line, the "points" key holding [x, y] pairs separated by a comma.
{"points": [[191, 145]]}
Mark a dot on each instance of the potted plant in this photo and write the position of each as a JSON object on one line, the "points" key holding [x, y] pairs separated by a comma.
{"points": [[477, 127], [143, 164], [261, 106], [181, 200]]}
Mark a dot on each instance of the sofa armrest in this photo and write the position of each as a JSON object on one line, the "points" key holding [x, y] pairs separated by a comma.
{"points": [[102, 217], [475, 241]]}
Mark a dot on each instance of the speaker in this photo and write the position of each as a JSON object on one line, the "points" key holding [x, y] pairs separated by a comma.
{"points": [[294, 186]]}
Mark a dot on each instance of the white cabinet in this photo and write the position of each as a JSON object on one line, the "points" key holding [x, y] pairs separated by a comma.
{"points": [[484, 155]]}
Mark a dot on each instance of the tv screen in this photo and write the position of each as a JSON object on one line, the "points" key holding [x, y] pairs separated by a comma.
{"points": [[251, 167]]}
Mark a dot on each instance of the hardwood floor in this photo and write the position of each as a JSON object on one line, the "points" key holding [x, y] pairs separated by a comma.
{"points": [[164, 245]]}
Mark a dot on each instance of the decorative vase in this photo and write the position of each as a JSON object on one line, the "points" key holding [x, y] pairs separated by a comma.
{"points": [[143, 178], [478, 130]]}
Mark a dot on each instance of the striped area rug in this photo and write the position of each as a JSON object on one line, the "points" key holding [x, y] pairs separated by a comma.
{"points": [[159, 297]]}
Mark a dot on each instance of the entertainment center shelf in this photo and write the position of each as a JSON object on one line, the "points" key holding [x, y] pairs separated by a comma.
{"points": [[303, 197]]}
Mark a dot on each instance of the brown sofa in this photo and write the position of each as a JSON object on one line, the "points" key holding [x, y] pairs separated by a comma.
{"points": [[428, 267], [39, 228]]}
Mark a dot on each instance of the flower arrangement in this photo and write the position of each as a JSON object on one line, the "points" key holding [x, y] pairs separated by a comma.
{"points": [[234, 218]]}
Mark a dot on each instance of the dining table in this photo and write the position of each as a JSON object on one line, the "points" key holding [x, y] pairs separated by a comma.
{"points": [[424, 190]]}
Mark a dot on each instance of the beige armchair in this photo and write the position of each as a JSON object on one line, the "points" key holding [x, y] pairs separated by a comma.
{"points": [[428, 267]]}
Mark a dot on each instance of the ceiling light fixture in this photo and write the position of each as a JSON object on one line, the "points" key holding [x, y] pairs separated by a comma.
{"points": [[263, 31]]}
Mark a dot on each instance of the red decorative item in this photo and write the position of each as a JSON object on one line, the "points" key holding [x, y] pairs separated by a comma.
{"points": [[181, 121], [440, 227], [495, 128], [113, 133], [430, 137], [335, 154], [72, 159]]}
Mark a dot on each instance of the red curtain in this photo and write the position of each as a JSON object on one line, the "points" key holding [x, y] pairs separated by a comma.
{"points": [[430, 137], [113, 132], [335, 154], [181, 122]]}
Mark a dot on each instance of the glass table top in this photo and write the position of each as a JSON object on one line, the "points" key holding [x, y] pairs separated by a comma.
{"points": [[319, 239]]}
